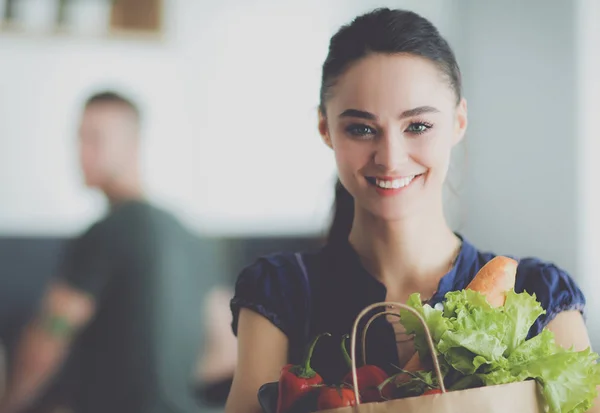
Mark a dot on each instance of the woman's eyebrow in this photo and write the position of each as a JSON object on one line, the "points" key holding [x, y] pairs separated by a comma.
{"points": [[418, 111], [355, 113]]}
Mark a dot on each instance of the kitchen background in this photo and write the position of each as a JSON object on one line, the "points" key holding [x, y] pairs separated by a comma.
{"points": [[229, 91]]}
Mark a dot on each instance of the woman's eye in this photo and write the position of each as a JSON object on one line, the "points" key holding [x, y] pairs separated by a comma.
{"points": [[418, 127], [360, 130]]}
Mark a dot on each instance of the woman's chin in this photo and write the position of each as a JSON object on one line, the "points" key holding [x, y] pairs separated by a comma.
{"points": [[390, 212]]}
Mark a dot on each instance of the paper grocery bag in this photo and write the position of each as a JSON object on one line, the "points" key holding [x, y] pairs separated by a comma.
{"points": [[522, 397]]}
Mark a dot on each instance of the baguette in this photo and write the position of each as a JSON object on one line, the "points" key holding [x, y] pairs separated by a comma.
{"points": [[494, 279]]}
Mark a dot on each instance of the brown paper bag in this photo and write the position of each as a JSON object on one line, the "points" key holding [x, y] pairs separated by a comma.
{"points": [[523, 397]]}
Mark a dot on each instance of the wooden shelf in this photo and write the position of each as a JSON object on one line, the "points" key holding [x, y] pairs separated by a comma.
{"points": [[130, 20], [143, 15]]}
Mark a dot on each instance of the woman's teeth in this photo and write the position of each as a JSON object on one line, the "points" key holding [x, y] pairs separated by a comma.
{"points": [[394, 183]]}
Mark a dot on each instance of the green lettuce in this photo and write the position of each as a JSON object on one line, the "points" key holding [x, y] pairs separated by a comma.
{"points": [[568, 378], [437, 323], [478, 345], [521, 310]]}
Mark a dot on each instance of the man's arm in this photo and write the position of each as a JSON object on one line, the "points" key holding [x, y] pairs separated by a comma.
{"points": [[219, 358], [216, 364], [44, 344]]}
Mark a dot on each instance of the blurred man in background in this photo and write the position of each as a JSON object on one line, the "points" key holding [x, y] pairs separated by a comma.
{"points": [[127, 296]]}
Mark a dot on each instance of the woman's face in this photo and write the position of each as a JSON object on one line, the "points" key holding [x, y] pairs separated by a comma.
{"points": [[392, 121]]}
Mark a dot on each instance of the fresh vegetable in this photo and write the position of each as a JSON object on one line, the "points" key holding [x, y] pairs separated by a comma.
{"points": [[478, 344], [417, 384], [296, 381], [432, 391], [369, 377], [334, 397], [493, 280]]}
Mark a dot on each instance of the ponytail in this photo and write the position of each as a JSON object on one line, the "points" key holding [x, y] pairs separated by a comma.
{"points": [[343, 215]]}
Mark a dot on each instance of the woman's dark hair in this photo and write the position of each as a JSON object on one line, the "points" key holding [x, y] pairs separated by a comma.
{"points": [[389, 32], [343, 214]]}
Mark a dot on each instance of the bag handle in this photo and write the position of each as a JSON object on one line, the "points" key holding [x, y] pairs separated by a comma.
{"points": [[363, 313], [364, 334]]}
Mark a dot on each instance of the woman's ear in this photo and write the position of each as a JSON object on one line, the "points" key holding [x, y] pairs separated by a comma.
{"points": [[460, 121], [324, 129]]}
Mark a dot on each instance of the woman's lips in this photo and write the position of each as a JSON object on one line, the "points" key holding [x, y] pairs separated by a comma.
{"points": [[391, 185]]}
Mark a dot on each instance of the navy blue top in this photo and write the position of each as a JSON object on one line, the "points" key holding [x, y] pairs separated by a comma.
{"points": [[305, 294]]}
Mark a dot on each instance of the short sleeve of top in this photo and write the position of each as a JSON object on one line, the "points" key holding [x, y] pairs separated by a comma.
{"points": [[276, 288], [554, 288], [87, 261]]}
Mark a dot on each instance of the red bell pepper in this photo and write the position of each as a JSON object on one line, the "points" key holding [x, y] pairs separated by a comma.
{"points": [[369, 377], [298, 380], [334, 397]]}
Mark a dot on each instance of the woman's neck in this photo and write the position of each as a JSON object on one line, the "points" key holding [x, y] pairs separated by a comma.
{"points": [[405, 255]]}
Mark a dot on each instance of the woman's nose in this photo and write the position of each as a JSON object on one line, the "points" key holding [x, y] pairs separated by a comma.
{"points": [[391, 151]]}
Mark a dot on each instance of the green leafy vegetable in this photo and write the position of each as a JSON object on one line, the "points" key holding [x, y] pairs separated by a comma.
{"points": [[420, 381], [521, 310], [464, 300], [479, 345], [435, 320]]}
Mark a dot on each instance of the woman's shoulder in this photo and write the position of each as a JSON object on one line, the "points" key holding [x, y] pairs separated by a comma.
{"points": [[283, 268], [553, 286], [277, 287]]}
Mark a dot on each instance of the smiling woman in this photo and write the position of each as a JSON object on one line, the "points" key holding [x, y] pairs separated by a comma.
{"points": [[391, 111]]}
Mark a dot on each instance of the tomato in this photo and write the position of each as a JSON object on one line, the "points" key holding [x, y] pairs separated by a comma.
{"points": [[333, 397]]}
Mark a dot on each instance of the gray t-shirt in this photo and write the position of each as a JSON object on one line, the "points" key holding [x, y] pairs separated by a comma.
{"points": [[145, 271]]}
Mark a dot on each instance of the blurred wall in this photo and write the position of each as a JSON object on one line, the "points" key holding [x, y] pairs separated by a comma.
{"points": [[588, 87], [520, 81]]}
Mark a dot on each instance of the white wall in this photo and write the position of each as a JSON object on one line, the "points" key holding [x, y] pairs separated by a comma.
{"points": [[520, 82], [252, 72], [231, 99], [588, 166]]}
